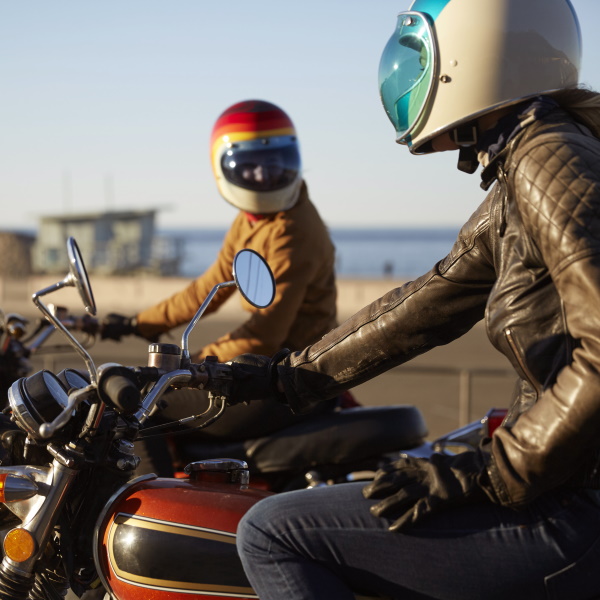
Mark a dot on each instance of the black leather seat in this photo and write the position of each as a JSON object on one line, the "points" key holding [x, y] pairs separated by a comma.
{"points": [[347, 436]]}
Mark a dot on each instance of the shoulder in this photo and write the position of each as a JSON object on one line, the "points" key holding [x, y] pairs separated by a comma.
{"points": [[560, 148], [557, 175], [556, 189], [302, 220], [551, 151]]}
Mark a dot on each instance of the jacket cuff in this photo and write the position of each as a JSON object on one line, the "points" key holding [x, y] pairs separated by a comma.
{"points": [[492, 482]]}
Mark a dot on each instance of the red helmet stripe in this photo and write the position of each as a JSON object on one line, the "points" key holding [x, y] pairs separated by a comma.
{"points": [[251, 116]]}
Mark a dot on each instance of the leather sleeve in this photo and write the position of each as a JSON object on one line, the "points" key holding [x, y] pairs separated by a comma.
{"points": [[557, 191], [433, 310]]}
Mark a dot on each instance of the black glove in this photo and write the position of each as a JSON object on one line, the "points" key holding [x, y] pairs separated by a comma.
{"points": [[255, 378], [114, 327], [413, 488]]}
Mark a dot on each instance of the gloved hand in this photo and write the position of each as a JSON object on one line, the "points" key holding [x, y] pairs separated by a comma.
{"points": [[255, 377], [414, 488], [115, 326]]}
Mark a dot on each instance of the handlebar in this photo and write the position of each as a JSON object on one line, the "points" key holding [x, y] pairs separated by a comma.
{"points": [[119, 387], [86, 324], [214, 377]]}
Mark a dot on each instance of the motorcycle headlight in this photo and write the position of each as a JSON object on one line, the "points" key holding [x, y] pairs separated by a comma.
{"points": [[36, 400]]}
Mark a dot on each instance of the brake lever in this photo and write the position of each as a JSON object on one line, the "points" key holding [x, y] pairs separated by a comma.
{"points": [[179, 376], [210, 375], [175, 427]]}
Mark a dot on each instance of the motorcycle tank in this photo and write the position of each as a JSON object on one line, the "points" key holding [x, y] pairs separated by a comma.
{"points": [[169, 539]]}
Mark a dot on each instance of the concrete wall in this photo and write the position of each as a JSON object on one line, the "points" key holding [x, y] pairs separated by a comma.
{"points": [[15, 249], [128, 295]]}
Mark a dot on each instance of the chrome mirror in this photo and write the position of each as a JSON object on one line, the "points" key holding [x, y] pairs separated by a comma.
{"points": [[79, 276], [254, 278]]}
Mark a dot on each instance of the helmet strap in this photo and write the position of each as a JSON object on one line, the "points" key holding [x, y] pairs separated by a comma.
{"points": [[467, 160], [466, 137]]}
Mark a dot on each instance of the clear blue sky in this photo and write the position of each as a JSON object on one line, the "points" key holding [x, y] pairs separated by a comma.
{"points": [[109, 104]]}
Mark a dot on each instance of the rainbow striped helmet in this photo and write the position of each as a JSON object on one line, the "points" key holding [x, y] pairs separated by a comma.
{"points": [[450, 61], [256, 158]]}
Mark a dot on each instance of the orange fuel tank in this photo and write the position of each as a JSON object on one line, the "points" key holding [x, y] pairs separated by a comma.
{"points": [[168, 539]]}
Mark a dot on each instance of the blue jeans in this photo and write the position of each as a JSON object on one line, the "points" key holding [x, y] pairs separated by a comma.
{"points": [[324, 543]]}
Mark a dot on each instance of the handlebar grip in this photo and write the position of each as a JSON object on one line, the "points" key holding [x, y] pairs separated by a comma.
{"points": [[123, 394], [118, 387]]}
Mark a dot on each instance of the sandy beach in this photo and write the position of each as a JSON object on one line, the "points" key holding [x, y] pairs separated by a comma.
{"points": [[451, 384]]}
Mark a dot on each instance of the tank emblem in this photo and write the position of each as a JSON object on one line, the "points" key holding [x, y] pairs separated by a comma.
{"points": [[148, 553]]}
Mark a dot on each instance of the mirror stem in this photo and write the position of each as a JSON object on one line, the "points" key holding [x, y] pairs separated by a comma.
{"points": [[67, 281], [185, 352]]}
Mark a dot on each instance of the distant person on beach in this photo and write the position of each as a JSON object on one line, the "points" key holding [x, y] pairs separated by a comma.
{"points": [[256, 162], [388, 269], [519, 516]]}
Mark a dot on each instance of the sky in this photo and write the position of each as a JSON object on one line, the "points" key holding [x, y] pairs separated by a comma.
{"points": [[109, 105]]}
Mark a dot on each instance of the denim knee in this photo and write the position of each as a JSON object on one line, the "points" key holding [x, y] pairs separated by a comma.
{"points": [[251, 530]]}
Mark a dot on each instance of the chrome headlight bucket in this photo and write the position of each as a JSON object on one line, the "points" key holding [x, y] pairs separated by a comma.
{"points": [[36, 400]]}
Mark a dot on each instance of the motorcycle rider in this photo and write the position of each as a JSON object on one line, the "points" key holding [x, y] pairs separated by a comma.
{"points": [[519, 517], [255, 158], [256, 162]]}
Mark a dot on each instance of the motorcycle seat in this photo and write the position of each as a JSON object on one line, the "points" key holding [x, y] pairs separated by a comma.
{"points": [[342, 437]]}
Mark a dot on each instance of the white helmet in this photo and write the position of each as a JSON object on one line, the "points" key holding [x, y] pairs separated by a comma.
{"points": [[450, 61]]}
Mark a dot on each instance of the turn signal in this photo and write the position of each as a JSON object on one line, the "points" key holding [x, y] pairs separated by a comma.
{"points": [[19, 545], [13, 488]]}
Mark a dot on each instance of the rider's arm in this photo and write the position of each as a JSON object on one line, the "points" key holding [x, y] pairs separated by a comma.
{"points": [[182, 306], [433, 310], [294, 257]]}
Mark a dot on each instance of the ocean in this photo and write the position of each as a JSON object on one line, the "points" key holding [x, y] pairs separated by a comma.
{"points": [[400, 253]]}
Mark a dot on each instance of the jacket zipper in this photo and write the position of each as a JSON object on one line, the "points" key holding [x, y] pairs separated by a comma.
{"points": [[503, 201], [513, 346]]}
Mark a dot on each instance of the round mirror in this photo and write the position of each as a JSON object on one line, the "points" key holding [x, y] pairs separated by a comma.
{"points": [[254, 278], [80, 277]]}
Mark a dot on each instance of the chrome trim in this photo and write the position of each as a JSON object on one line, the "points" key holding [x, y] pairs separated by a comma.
{"points": [[20, 409], [41, 511]]}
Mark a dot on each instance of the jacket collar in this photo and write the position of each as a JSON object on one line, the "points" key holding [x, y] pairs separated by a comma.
{"points": [[495, 143]]}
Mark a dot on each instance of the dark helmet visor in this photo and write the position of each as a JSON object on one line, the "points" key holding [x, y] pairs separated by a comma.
{"points": [[261, 166]]}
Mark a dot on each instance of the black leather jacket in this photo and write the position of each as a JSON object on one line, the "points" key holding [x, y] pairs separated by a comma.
{"points": [[528, 261]]}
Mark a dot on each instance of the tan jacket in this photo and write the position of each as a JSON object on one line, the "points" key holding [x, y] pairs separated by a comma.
{"points": [[297, 246]]}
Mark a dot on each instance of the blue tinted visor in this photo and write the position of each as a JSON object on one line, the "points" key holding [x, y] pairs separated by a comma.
{"points": [[406, 72]]}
